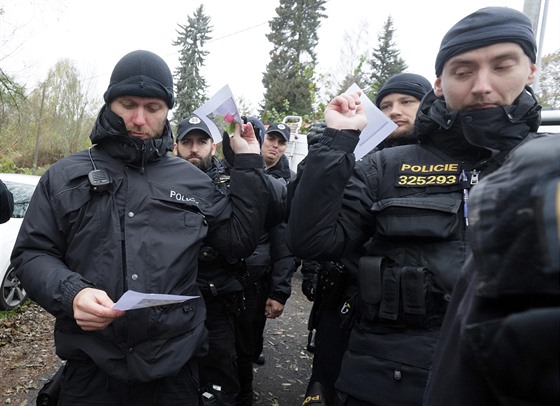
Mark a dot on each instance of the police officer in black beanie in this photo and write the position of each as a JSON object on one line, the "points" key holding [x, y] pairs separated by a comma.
{"points": [[411, 201], [127, 216]]}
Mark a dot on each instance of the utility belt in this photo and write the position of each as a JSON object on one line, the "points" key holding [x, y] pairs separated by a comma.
{"points": [[219, 286], [218, 275], [395, 297], [233, 303], [335, 291], [258, 275]]}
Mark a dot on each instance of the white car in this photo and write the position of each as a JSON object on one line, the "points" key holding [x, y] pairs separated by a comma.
{"points": [[22, 188]]}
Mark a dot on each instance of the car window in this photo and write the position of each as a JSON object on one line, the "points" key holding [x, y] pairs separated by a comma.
{"points": [[22, 195]]}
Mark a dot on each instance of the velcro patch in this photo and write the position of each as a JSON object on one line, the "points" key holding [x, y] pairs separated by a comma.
{"points": [[424, 175]]}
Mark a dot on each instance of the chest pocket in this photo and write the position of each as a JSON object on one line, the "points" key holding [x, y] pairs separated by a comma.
{"points": [[417, 217]]}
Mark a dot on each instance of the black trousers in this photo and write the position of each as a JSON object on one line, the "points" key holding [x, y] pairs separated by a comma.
{"points": [[249, 328], [219, 366], [331, 341], [85, 384]]}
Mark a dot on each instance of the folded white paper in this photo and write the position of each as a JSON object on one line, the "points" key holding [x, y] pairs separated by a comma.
{"points": [[135, 300], [379, 126]]}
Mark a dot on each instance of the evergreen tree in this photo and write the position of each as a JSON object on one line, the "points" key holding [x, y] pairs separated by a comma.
{"points": [[385, 60], [190, 85], [288, 80]]}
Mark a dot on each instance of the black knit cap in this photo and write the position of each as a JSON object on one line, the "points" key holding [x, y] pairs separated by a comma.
{"points": [[405, 83], [487, 26], [143, 74]]}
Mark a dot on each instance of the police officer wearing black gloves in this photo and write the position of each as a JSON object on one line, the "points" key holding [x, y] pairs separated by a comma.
{"points": [[411, 200], [126, 215]]}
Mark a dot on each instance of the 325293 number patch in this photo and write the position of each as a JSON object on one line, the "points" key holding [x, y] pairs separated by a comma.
{"points": [[426, 180]]}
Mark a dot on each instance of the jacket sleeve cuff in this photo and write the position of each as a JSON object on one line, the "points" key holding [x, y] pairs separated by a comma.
{"points": [[344, 140], [279, 297], [248, 161], [71, 289]]}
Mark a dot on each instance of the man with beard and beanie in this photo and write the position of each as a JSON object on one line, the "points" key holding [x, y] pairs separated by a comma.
{"points": [[125, 215], [399, 99], [328, 284], [410, 201], [270, 269]]}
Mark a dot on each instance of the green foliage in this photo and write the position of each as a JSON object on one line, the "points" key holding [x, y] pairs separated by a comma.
{"points": [[385, 60], [288, 80], [189, 83], [8, 314]]}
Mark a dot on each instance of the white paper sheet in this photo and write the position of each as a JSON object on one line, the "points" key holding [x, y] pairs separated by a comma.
{"points": [[135, 300], [379, 126], [220, 113]]}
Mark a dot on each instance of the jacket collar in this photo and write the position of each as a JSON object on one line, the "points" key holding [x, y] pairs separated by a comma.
{"points": [[483, 133], [109, 132]]}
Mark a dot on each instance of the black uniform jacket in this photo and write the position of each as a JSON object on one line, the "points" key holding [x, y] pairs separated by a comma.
{"points": [[143, 234], [410, 200], [217, 274], [500, 342], [272, 253]]}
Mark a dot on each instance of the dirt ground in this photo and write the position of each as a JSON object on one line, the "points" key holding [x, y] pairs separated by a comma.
{"points": [[27, 357]]}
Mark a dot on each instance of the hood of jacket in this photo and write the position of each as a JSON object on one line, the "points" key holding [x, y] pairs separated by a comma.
{"points": [[479, 134], [109, 133]]}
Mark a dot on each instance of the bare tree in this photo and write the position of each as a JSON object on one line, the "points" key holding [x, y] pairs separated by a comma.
{"points": [[549, 81], [59, 116], [353, 58]]}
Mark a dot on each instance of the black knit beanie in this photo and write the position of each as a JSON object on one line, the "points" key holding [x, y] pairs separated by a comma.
{"points": [[405, 83], [487, 26], [141, 73]]}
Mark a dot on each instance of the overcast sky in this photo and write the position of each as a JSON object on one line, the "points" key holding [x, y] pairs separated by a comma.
{"points": [[35, 34]]}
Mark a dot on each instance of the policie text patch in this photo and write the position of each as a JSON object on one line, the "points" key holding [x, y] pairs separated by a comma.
{"points": [[423, 175]]}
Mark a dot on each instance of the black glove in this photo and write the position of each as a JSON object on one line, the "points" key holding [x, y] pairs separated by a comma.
{"points": [[316, 132], [308, 287], [229, 155]]}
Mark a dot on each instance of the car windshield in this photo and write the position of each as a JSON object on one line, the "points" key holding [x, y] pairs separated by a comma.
{"points": [[22, 195]]}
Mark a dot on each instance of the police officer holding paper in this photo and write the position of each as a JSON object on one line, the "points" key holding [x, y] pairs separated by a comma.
{"points": [[411, 200]]}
